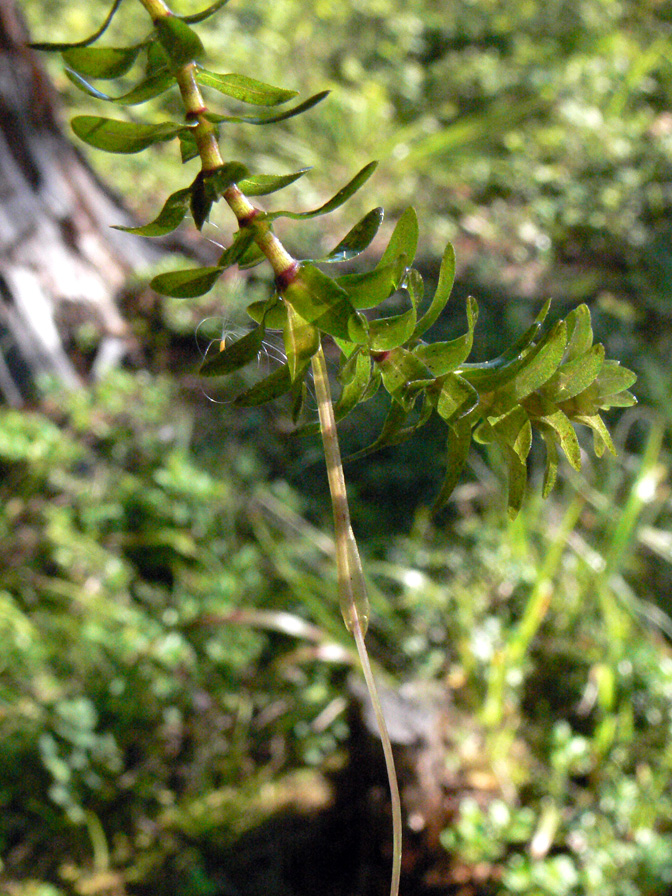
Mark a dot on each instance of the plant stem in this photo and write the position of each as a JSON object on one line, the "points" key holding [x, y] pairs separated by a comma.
{"points": [[353, 597], [352, 588]]}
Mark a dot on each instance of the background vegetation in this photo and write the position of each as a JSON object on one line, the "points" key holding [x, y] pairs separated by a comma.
{"points": [[173, 661]]}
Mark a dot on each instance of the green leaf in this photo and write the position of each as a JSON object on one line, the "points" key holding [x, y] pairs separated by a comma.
{"points": [[209, 186], [540, 364], [573, 377], [613, 379], [386, 333], [204, 14], [247, 90], [272, 386], [157, 59], [442, 294], [391, 433], [399, 368], [320, 301], [459, 442], [235, 355], [263, 184], [404, 239], [215, 118], [272, 311], [354, 378], [52, 48], [147, 89], [342, 196], [186, 284], [601, 438], [369, 289], [243, 241], [357, 239], [112, 135], [302, 340], [552, 460], [444, 357], [558, 421], [169, 218], [101, 62], [456, 398], [579, 332], [180, 42], [517, 478], [188, 145]]}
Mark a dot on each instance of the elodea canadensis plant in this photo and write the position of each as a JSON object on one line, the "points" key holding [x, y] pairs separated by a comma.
{"points": [[548, 381]]}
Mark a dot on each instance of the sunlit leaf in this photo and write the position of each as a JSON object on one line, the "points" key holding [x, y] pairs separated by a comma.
{"points": [[273, 386], [574, 376], [354, 378], [386, 333], [216, 118], [456, 398], [247, 90], [204, 14], [357, 239], [369, 289], [404, 239], [186, 284], [517, 481], [272, 311], [320, 301], [548, 415], [541, 363], [180, 42], [101, 62], [263, 184], [302, 340], [171, 216], [442, 294], [444, 357], [459, 441], [235, 355], [398, 368], [243, 241], [342, 196], [613, 378], [112, 135], [59, 47], [579, 332], [147, 89], [552, 460], [601, 438], [188, 145]]}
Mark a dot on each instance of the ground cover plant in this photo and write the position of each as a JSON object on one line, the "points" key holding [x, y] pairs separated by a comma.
{"points": [[545, 382]]}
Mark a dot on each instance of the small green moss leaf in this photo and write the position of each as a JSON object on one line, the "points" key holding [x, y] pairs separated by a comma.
{"points": [[575, 376], [60, 47], [247, 90], [579, 332], [552, 460], [540, 364], [369, 289], [444, 357], [180, 42], [386, 333], [354, 378], [320, 301], [234, 356], [342, 196], [243, 241], [273, 386], [404, 239], [112, 135], [442, 294], [517, 476], [456, 398], [186, 284], [147, 89], [459, 442], [557, 421], [169, 218], [357, 239], [399, 368], [601, 438], [272, 311], [101, 62], [263, 184], [302, 340], [215, 118], [204, 14], [188, 145]]}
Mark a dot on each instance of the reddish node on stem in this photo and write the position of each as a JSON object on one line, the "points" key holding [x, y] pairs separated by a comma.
{"points": [[283, 279], [193, 114], [379, 357], [245, 220]]}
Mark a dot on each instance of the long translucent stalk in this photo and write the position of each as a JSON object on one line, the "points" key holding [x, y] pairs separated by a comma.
{"points": [[352, 588]]}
